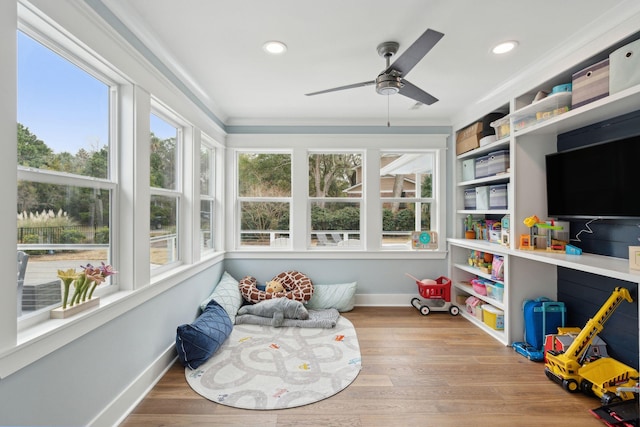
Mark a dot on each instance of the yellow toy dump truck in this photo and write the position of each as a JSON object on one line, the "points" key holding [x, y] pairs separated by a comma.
{"points": [[602, 377]]}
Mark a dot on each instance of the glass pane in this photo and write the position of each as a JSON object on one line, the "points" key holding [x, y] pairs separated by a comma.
{"points": [[63, 114], [206, 155], [206, 225], [263, 222], [332, 223], [399, 221], [164, 238], [406, 175], [264, 175], [163, 154], [59, 228], [335, 175]]}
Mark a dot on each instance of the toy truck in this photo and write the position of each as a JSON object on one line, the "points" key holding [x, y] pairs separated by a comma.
{"points": [[602, 377]]}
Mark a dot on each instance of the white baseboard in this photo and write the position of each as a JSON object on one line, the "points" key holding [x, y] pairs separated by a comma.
{"points": [[381, 300], [122, 405]]}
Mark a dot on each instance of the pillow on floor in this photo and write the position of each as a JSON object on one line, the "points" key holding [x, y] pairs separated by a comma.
{"points": [[227, 294], [340, 296], [197, 342]]}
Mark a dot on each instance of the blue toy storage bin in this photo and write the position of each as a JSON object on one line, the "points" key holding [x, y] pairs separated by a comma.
{"points": [[470, 198], [498, 162], [482, 166], [498, 196]]}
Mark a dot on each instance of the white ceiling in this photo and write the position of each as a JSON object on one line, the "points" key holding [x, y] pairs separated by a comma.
{"points": [[215, 48]]}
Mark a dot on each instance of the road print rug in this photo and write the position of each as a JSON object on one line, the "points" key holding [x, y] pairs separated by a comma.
{"points": [[262, 367]]}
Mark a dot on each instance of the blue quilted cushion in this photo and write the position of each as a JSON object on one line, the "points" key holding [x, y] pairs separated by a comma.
{"points": [[197, 342]]}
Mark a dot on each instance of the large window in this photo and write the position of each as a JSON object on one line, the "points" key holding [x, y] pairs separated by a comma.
{"points": [[335, 198], [359, 196], [264, 199], [65, 176], [406, 195], [165, 191]]}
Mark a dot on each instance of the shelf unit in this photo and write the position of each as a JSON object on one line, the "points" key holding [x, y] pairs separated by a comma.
{"points": [[530, 274]]}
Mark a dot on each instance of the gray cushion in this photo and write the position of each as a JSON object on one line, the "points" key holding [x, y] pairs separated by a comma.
{"points": [[340, 296], [227, 294]]}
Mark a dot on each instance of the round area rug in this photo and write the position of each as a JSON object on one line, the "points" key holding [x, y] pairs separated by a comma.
{"points": [[261, 367]]}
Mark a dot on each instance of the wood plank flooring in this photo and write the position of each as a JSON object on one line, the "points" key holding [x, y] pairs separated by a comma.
{"points": [[434, 370]]}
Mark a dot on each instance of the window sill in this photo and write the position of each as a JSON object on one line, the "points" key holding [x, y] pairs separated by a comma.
{"points": [[41, 339], [345, 253]]}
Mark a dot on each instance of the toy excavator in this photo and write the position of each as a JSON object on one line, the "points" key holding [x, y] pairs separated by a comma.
{"points": [[607, 378]]}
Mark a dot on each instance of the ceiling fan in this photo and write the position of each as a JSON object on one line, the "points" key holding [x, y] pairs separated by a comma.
{"points": [[391, 80]]}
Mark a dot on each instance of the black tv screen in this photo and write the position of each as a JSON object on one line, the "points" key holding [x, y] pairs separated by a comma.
{"points": [[596, 181]]}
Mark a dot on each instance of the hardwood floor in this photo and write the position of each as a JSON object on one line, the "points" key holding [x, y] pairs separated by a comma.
{"points": [[436, 370]]}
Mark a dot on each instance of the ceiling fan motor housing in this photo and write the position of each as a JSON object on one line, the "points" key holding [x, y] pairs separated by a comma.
{"points": [[388, 84]]}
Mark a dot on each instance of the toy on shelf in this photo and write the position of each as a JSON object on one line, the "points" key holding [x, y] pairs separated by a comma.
{"points": [[438, 296], [481, 260], [550, 235]]}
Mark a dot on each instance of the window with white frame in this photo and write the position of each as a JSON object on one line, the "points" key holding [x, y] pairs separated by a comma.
{"points": [[407, 199], [166, 187], [207, 196], [336, 183], [66, 181], [264, 198]]}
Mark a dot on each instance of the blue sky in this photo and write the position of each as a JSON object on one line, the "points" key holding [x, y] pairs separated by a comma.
{"points": [[63, 105]]}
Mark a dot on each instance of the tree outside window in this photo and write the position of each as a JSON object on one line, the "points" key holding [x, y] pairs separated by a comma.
{"points": [[264, 198], [335, 196]]}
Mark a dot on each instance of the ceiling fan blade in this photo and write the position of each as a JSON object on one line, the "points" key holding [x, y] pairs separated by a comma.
{"points": [[414, 92], [415, 52], [369, 83]]}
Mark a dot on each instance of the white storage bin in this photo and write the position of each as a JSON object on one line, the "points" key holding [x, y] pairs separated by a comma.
{"points": [[624, 67], [468, 169], [482, 198]]}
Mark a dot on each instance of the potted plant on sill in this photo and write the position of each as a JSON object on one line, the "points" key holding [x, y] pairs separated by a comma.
{"points": [[84, 283]]}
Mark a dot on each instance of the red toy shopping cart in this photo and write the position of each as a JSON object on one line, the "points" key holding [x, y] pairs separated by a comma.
{"points": [[436, 294]]}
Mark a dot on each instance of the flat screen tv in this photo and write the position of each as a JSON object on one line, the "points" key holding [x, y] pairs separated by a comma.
{"points": [[596, 181]]}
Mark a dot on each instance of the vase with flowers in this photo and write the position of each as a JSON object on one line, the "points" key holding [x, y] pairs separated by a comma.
{"points": [[84, 282]]}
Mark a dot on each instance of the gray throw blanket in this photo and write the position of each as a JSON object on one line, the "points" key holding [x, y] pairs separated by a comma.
{"points": [[285, 312]]}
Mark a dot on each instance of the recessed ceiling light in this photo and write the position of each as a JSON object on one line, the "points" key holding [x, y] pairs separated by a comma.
{"points": [[504, 47], [274, 47]]}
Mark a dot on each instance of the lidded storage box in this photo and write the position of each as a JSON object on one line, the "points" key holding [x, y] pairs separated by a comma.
{"points": [[502, 127], [493, 317], [498, 162], [590, 84]]}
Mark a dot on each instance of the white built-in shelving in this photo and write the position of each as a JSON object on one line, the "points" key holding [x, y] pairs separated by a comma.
{"points": [[530, 274]]}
